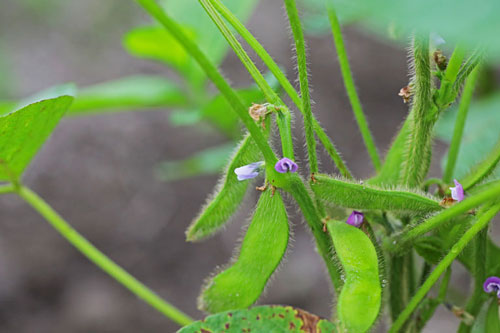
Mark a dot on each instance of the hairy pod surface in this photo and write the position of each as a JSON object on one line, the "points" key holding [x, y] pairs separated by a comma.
{"points": [[263, 247], [359, 301], [360, 196], [228, 196], [265, 319]]}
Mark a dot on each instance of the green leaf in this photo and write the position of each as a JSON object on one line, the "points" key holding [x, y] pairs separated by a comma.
{"points": [[156, 43], [228, 196], [430, 248], [359, 301], [480, 134], [206, 162], [360, 196], [263, 247], [487, 320], [23, 132], [132, 92], [268, 319]]}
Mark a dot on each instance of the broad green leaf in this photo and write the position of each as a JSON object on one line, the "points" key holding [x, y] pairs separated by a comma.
{"points": [[487, 320], [471, 22], [360, 298], [132, 92], [263, 247], [206, 162], [156, 43], [24, 131], [348, 194], [480, 136], [228, 195], [66, 89], [7, 106], [263, 319]]}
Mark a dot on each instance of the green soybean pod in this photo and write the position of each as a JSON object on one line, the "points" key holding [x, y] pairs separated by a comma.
{"points": [[228, 196], [262, 249], [359, 300], [361, 196]]}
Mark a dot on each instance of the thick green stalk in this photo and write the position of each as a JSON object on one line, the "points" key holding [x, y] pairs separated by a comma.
{"points": [[481, 223], [397, 242], [98, 258], [283, 118], [284, 82], [350, 87], [456, 140], [300, 47], [419, 142], [213, 74]]}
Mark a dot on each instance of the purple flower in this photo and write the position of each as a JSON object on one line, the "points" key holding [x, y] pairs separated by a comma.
{"points": [[457, 192], [492, 284], [355, 219], [248, 171], [286, 165]]}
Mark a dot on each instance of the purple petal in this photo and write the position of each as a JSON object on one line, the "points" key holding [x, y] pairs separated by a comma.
{"points": [[492, 284], [248, 171], [355, 219], [457, 192], [286, 165]]}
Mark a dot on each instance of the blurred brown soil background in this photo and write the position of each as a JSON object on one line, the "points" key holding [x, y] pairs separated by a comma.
{"points": [[98, 172]]}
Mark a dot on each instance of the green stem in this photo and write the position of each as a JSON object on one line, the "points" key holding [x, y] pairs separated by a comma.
{"points": [[324, 246], [397, 242], [284, 82], [213, 74], [418, 148], [481, 223], [98, 258], [283, 118], [300, 47], [463, 109], [478, 296], [350, 87]]}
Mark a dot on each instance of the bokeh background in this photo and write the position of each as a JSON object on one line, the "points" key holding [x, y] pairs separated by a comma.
{"points": [[98, 171]]}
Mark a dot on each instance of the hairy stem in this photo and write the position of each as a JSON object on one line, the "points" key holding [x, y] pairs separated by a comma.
{"points": [[398, 242], [481, 223], [418, 147], [98, 258], [350, 87], [300, 47], [283, 81], [463, 109], [213, 74]]}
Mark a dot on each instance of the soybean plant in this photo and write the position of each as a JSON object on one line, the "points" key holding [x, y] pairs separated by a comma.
{"points": [[386, 241]]}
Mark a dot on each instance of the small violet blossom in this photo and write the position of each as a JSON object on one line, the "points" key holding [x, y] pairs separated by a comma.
{"points": [[355, 219], [457, 192], [248, 171], [286, 165], [492, 284]]}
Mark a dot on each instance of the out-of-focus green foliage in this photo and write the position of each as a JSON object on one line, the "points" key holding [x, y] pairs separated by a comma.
{"points": [[481, 133]]}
